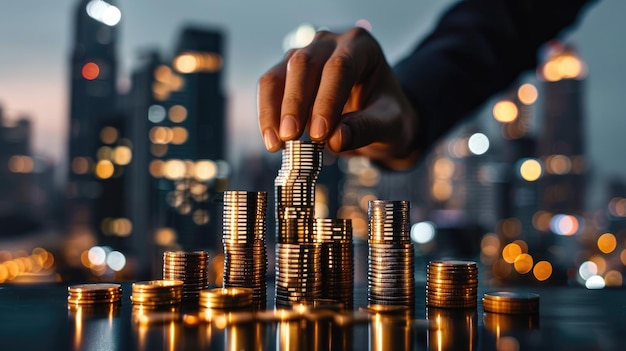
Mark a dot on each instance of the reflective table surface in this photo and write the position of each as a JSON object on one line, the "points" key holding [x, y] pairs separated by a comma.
{"points": [[36, 317]]}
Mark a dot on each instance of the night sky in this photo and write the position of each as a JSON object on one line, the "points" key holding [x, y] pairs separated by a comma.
{"points": [[35, 47]]}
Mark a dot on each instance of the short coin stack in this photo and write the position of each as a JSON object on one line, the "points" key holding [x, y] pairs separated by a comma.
{"points": [[452, 284], [226, 298], [157, 294], [190, 267], [391, 261], [92, 294], [511, 302], [335, 235], [298, 258], [245, 252]]}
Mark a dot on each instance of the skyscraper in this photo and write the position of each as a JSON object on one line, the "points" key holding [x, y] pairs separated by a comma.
{"points": [[562, 133], [179, 137], [93, 70]]}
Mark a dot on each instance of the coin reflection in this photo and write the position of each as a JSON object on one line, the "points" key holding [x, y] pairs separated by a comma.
{"points": [[245, 337], [302, 335], [504, 328], [158, 330], [452, 329], [94, 320], [390, 332]]}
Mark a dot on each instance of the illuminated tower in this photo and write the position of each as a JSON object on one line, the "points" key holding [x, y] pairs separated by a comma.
{"points": [[93, 70], [178, 127], [562, 135]]}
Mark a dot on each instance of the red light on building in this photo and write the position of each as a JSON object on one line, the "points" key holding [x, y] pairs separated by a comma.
{"points": [[90, 71]]}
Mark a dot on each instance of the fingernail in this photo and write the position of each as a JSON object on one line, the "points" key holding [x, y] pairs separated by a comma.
{"points": [[271, 140], [319, 128], [288, 127]]}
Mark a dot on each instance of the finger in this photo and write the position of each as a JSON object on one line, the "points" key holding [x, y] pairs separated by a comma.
{"points": [[304, 69], [348, 63], [270, 90]]}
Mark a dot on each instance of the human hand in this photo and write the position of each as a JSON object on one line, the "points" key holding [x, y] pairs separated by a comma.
{"points": [[342, 87]]}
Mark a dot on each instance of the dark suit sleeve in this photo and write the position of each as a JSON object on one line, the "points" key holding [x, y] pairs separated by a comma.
{"points": [[477, 48]]}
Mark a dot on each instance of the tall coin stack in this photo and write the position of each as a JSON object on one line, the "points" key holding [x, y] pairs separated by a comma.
{"points": [[298, 258], [245, 253], [190, 267], [391, 280], [451, 284], [335, 235]]}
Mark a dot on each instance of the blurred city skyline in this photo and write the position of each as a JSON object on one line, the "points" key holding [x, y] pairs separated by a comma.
{"points": [[36, 41]]}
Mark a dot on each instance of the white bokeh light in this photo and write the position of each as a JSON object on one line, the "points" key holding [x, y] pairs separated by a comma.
{"points": [[97, 255], [587, 269], [156, 113], [423, 232], [104, 12], [478, 143], [595, 282], [116, 261]]}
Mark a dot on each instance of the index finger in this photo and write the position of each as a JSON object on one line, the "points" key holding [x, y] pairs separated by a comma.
{"points": [[270, 91]]}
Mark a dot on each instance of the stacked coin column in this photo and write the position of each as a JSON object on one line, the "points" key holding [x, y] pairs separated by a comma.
{"points": [[298, 257], [245, 252], [190, 267], [335, 235], [391, 280], [451, 284]]}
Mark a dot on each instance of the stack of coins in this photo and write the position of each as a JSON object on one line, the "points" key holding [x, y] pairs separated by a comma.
{"points": [[226, 298], [245, 252], [511, 302], [335, 235], [391, 267], [298, 273], [452, 284], [157, 294], [92, 294], [295, 191], [190, 267], [298, 257]]}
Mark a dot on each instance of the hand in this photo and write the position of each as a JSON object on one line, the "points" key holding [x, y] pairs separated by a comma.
{"points": [[342, 87]]}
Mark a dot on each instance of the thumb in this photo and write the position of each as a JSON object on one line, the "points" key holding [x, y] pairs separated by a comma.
{"points": [[379, 122]]}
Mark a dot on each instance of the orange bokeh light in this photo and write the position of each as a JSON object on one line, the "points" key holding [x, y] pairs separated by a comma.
{"points": [[90, 71]]}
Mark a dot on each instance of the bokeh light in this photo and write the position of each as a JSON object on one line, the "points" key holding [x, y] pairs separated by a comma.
{"points": [[613, 278], [104, 169], [542, 270], [90, 71], [116, 260], [527, 94], [478, 143], [505, 111], [530, 170], [595, 282], [562, 224], [177, 113], [587, 269], [109, 135], [423, 232], [523, 263], [607, 243], [510, 252]]}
